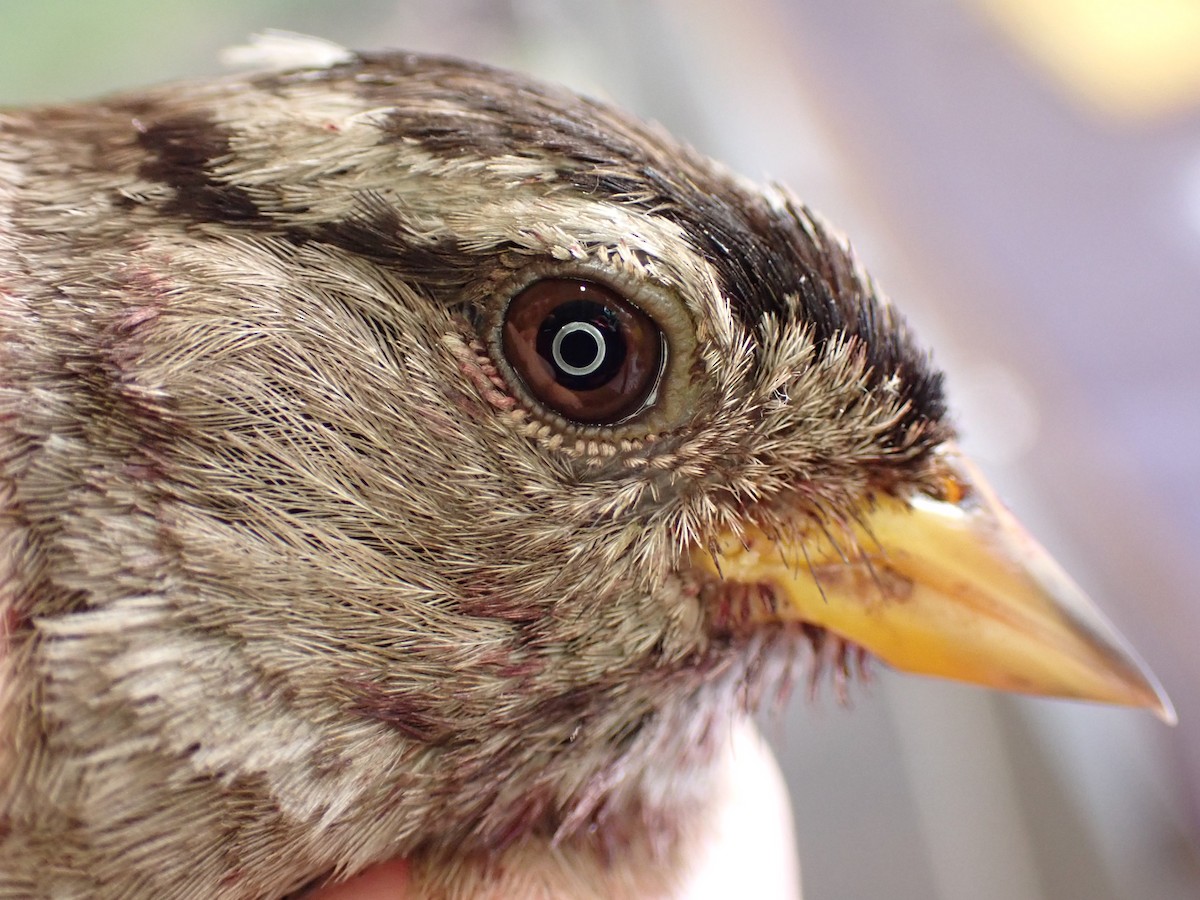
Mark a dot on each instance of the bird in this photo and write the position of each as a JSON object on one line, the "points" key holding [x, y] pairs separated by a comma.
{"points": [[404, 457]]}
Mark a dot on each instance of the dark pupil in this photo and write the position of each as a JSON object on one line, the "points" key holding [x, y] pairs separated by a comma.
{"points": [[583, 343]]}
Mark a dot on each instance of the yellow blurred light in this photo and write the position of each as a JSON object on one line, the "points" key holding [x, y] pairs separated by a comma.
{"points": [[1128, 58]]}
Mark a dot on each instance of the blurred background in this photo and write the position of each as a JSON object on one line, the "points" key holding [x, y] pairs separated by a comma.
{"points": [[1023, 176]]}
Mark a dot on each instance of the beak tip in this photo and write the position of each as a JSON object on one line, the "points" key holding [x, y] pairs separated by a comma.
{"points": [[1145, 690], [1164, 709]]}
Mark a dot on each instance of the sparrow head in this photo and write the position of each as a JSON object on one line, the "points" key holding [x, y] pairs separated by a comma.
{"points": [[427, 456]]}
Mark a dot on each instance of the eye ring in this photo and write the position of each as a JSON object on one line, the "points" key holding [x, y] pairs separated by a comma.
{"points": [[662, 391]]}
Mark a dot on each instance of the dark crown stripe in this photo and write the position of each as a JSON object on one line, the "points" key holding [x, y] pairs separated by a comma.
{"points": [[182, 152]]}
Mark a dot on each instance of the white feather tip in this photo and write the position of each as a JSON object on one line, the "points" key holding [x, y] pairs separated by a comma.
{"points": [[279, 50]]}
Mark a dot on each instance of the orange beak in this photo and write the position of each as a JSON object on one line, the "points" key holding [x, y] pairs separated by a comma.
{"points": [[955, 588]]}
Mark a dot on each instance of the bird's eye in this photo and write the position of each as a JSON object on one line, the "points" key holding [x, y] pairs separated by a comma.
{"points": [[582, 350]]}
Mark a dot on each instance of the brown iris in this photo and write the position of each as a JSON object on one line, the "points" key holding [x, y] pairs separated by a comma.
{"points": [[582, 350]]}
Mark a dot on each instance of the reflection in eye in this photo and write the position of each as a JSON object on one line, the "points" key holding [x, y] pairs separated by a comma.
{"points": [[581, 349]]}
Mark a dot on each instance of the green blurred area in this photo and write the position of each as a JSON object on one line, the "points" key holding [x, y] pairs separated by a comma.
{"points": [[67, 49]]}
